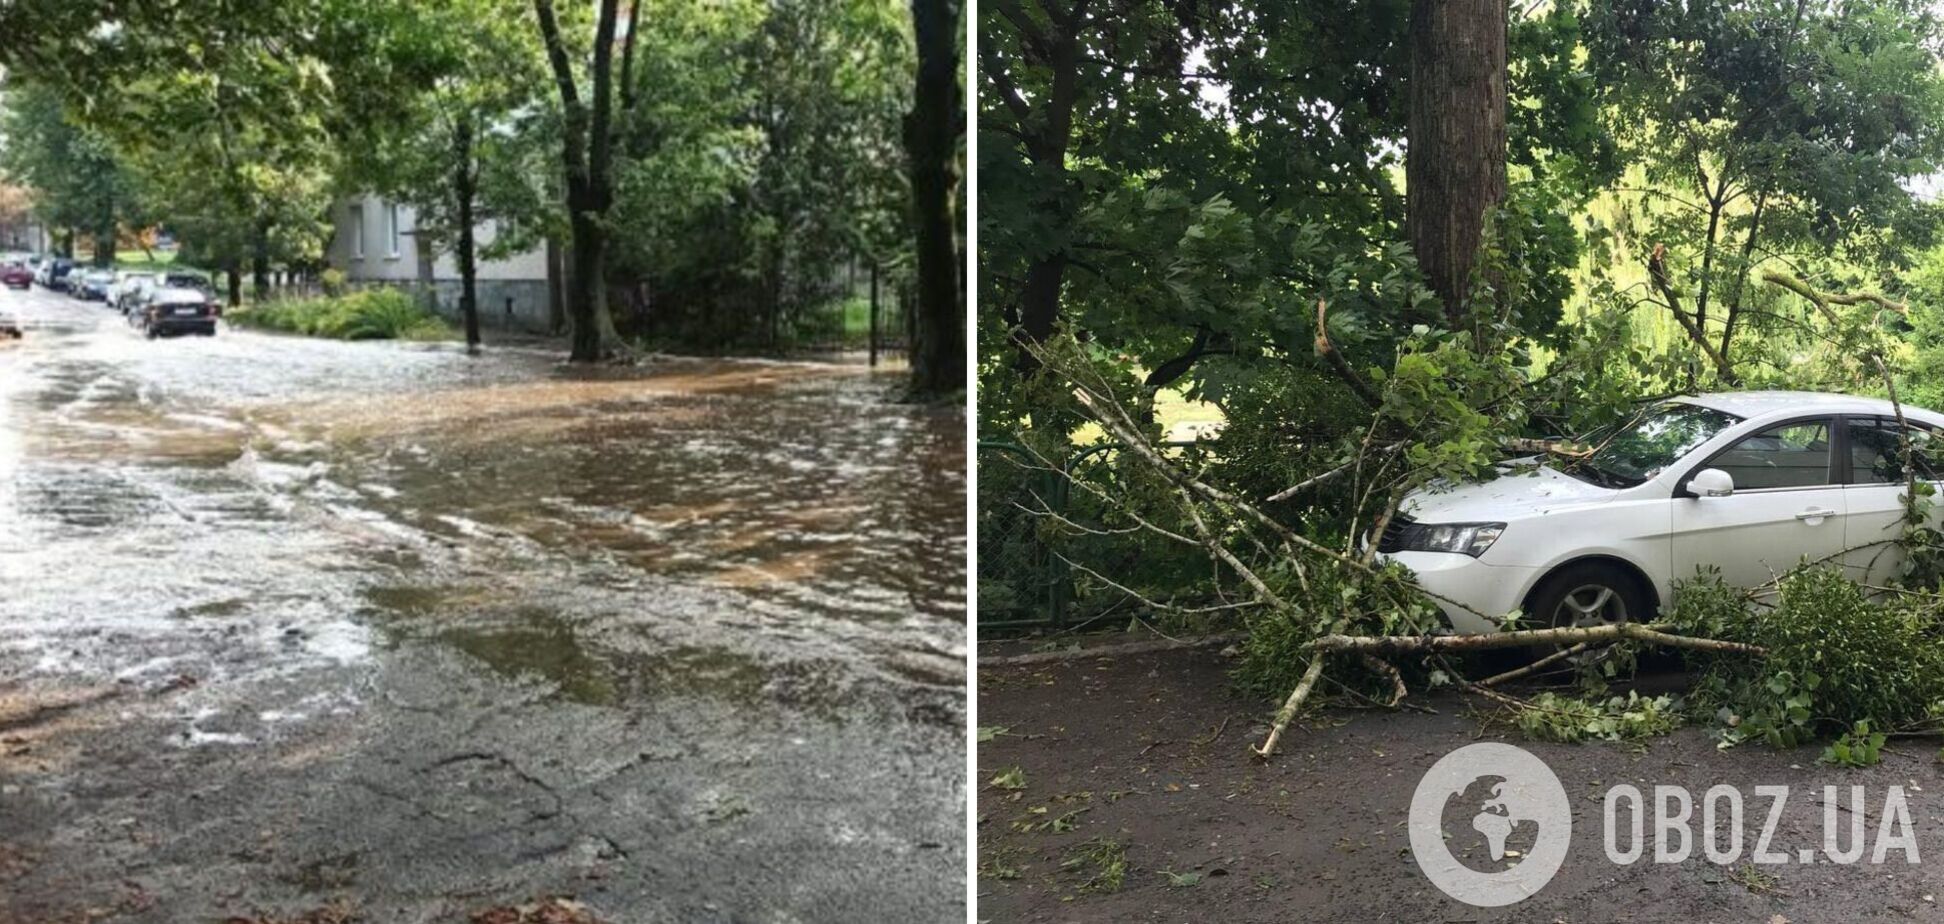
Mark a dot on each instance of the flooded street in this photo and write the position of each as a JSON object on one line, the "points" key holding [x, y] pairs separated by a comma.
{"points": [[291, 623]]}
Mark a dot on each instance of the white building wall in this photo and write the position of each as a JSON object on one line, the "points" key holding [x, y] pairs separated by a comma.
{"points": [[513, 291], [378, 261]]}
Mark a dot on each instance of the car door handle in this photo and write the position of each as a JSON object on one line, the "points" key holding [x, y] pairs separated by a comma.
{"points": [[1814, 514]]}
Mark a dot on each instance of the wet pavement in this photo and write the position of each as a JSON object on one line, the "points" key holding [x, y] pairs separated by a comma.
{"points": [[288, 622]]}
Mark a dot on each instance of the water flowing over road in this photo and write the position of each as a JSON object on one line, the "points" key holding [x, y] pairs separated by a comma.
{"points": [[289, 622]]}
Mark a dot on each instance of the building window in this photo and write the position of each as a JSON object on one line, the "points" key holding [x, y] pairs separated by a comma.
{"points": [[391, 227], [357, 232]]}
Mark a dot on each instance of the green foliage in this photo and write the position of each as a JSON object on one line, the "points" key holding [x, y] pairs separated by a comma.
{"points": [[763, 158], [78, 178], [1101, 861], [1835, 658], [1011, 779], [1858, 747], [371, 314], [1555, 717]]}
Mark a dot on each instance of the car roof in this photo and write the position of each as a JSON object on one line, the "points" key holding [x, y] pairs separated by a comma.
{"points": [[1752, 405]]}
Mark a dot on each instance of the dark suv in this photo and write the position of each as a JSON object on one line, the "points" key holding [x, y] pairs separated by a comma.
{"points": [[179, 311]]}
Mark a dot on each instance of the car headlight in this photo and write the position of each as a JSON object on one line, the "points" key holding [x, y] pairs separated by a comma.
{"points": [[1464, 538]]}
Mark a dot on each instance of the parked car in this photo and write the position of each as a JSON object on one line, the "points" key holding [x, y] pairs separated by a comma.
{"points": [[91, 286], [16, 276], [127, 286], [1750, 483], [53, 273], [178, 311]]}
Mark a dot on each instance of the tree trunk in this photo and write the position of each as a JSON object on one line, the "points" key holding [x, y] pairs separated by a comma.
{"points": [[1454, 170], [931, 139], [260, 262], [235, 275], [586, 291], [586, 147], [556, 288], [463, 193], [875, 314], [104, 248], [1047, 132]]}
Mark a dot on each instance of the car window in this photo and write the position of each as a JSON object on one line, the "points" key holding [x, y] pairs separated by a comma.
{"points": [[1640, 448], [1790, 455], [1876, 450]]}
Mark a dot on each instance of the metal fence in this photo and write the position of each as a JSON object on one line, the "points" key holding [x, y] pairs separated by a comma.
{"points": [[1026, 582]]}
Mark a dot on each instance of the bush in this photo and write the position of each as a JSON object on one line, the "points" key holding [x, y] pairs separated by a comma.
{"points": [[1836, 658], [372, 314]]}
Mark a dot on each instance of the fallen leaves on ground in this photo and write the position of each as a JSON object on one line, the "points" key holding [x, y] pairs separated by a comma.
{"points": [[547, 911], [334, 913]]}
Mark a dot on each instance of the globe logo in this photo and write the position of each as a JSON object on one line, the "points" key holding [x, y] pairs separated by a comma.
{"points": [[1525, 800]]}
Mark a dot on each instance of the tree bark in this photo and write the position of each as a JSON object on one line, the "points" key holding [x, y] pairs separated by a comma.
{"points": [[875, 314], [260, 261], [1454, 169], [556, 287], [104, 248], [1047, 134], [464, 191], [932, 131], [585, 152], [586, 290]]}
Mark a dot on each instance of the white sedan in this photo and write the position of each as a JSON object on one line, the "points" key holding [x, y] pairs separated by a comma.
{"points": [[1751, 483]]}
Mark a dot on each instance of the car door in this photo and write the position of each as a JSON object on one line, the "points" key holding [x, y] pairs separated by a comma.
{"points": [[1788, 505], [1874, 495]]}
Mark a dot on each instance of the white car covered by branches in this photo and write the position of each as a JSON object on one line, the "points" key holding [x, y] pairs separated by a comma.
{"points": [[1750, 483]]}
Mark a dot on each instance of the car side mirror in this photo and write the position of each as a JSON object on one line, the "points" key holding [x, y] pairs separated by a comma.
{"points": [[1711, 482]]}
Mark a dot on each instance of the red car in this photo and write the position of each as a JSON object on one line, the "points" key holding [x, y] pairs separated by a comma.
{"points": [[16, 276]]}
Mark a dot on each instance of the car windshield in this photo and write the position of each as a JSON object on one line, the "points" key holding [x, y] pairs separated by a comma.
{"points": [[1639, 449]]}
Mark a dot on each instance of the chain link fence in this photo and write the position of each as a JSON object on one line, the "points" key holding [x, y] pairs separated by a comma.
{"points": [[1038, 571]]}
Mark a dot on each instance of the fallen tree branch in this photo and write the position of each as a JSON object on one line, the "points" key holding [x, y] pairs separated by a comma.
{"points": [[1390, 672], [1288, 711], [1148, 646], [1564, 635], [1530, 669]]}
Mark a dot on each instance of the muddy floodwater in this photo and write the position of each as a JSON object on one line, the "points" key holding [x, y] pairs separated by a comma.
{"points": [[289, 624]]}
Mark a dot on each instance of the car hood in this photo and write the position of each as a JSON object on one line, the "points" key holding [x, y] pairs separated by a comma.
{"points": [[1522, 490]]}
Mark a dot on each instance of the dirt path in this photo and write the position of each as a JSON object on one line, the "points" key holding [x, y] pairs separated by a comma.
{"points": [[1141, 762]]}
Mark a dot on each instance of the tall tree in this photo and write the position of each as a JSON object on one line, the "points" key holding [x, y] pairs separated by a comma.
{"points": [[80, 180], [587, 157], [1454, 171], [1764, 128], [933, 130], [456, 76]]}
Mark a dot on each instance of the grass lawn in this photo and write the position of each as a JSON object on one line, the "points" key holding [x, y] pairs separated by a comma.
{"points": [[162, 260]]}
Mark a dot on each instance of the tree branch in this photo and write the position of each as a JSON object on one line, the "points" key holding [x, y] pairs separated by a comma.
{"points": [[1657, 271], [1338, 364]]}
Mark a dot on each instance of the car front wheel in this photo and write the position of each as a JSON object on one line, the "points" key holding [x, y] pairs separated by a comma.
{"points": [[1585, 595]]}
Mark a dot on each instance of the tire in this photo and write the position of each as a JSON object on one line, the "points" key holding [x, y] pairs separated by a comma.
{"points": [[1587, 594]]}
